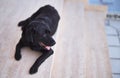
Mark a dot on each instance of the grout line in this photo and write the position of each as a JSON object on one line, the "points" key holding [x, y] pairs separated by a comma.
{"points": [[112, 58], [114, 46], [118, 34], [116, 73], [112, 35]]}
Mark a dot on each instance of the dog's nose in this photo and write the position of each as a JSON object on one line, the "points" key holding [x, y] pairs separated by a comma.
{"points": [[53, 43], [48, 40]]}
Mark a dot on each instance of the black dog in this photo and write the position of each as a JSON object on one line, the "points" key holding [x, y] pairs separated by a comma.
{"points": [[37, 34]]}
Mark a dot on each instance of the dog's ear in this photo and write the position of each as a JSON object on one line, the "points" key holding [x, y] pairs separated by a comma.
{"points": [[29, 34], [48, 30], [31, 37]]}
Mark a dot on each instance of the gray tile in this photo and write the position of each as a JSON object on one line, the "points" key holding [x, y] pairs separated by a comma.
{"points": [[116, 76], [110, 30], [107, 1], [114, 52], [113, 40], [115, 66], [115, 24]]}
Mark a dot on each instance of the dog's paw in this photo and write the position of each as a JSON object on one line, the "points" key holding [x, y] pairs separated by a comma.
{"points": [[33, 70], [17, 57]]}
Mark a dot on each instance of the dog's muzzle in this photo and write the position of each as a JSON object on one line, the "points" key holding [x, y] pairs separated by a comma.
{"points": [[46, 42]]}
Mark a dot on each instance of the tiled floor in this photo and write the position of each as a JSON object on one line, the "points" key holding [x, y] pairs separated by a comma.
{"points": [[113, 36]]}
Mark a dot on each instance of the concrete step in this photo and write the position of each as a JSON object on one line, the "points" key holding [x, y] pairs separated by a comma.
{"points": [[11, 13], [97, 50], [81, 50], [69, 57]]}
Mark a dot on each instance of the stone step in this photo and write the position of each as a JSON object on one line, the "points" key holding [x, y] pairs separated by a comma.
{"points": [[81, 50], [69, 56], [11, 13]]}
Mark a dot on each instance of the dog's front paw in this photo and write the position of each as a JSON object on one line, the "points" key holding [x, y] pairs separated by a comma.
{"points": [[33, 70], [17, 57]]}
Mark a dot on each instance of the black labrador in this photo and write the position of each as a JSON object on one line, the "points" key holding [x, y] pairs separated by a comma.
{"points": [[37, 32]]}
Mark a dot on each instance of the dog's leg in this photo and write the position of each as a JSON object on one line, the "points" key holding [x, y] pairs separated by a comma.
{"points": [[40, 60], [18, 50]]}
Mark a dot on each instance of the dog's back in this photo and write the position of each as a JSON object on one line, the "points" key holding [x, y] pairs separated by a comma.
{"points": [[47, 14], [50, 16]]}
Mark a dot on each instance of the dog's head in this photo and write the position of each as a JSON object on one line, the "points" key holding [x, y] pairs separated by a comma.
{"points": [[40, 33]]}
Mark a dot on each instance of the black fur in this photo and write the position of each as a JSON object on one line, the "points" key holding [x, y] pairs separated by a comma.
{"points": [[38, 30]]}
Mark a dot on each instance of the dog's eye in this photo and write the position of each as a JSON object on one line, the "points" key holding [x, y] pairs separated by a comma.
{"points": [[47, 32]]}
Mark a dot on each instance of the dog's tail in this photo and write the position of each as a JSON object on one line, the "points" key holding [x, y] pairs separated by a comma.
{"points": [[21, 24]]}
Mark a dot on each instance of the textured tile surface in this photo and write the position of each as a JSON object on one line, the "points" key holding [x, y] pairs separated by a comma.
{"points": [[114, 52], [113, 36], [116, 76], [115, 66], [113, 40]]}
